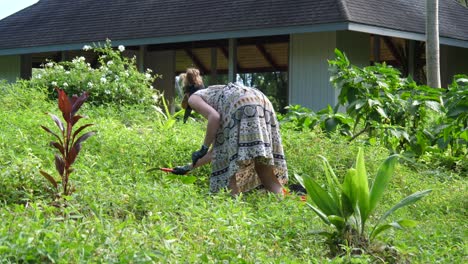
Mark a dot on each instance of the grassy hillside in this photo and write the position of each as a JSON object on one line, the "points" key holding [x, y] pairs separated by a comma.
{"points": [[120, 213]]}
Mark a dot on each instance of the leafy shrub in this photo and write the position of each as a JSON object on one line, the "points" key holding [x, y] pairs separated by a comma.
{"points": [[347, 207], [383, 103], [328, 120], [454, 132], [116, 81], [405, 117]]}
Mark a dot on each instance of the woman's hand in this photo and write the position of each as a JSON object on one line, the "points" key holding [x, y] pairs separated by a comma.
{"points": [[199, 154], [182, 170]]}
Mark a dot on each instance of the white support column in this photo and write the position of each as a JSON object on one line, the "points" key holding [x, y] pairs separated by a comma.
{"points": [[232, 64]]}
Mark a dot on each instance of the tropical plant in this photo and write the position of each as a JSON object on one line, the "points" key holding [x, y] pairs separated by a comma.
{"points": [[347, 207], [454, 131], [68, 140], [382, 103]]}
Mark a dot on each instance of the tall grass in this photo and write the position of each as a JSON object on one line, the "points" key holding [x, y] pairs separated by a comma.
{"points": [[120, 213]]}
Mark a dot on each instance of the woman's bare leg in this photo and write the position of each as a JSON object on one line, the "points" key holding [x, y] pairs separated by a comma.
{"points": [[233, 186], [268, 178]]}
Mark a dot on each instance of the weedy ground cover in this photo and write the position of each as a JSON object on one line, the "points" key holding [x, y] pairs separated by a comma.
{"points": [[119, 213]]}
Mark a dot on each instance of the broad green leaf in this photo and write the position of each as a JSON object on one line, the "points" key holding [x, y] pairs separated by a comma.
{"points": [[381, 112], [362, 186], [189, 179], [332, 180], [349, 189], [433, 105], [338, 221], [406, 201], [381, 181], [320, 214], [299, 179], [456, 111], [320, 197], [405, 223]]}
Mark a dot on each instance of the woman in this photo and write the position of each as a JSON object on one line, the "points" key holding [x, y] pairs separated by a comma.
{"points": [[243, 134]]}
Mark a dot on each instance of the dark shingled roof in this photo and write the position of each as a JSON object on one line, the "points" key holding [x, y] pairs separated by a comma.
{"points": [[64, 22]]}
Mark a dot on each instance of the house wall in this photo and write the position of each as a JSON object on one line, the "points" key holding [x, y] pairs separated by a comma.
{"points": [[453, 60], [163, 64], [10, 68], [309, 79]]}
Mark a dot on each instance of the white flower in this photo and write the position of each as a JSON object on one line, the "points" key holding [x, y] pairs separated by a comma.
{"points": [[86, 47], [90, 84], [107, 92], [149, 70], [127, 74], [121, 48], [65, 84], [49, 64], [67, 72], [110, 63], [147, 76], [54, 83], [103, 80], [116, 77]]}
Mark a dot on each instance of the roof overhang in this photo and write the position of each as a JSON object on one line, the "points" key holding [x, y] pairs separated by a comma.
{"points": [[241, 34], [404, 34]]}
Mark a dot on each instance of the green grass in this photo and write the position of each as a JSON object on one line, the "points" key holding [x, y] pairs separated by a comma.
{"points": [[121, 214]]}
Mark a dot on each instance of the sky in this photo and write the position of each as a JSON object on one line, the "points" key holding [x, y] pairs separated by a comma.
{"points": [[8, 7]]}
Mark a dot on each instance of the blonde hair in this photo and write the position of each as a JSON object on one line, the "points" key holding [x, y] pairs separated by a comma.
{"points": [[192, 77]]}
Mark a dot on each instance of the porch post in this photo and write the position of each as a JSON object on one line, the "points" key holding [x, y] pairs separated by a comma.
{"points": [[232, 63]]}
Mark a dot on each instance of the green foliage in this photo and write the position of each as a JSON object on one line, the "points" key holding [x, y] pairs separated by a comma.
{"points": [[116, 80], [328, 120], [122, 214], [405, 117], [347, 207], [69, 141], [453, 131]]}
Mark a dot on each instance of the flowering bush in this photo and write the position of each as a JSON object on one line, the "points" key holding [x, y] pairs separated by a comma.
{"points": [[115, 81]]}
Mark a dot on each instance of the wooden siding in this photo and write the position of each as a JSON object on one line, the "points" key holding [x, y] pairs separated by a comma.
{"points": [[10, 68], [309, 54], [453, 61], [356, 45], [308, 75]]}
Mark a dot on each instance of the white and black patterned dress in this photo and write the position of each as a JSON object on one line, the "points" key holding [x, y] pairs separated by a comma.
{"points": [[249, 131]]}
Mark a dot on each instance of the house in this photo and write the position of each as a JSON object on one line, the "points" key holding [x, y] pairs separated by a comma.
{"points": [[228, 37]]}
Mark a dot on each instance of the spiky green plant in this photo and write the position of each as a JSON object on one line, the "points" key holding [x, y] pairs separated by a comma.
{"points": [[347, 207]]}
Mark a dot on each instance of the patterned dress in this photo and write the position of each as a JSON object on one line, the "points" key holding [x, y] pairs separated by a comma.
{"points": [[249, 131]]}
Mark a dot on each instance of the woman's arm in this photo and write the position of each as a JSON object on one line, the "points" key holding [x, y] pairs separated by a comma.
{"points": [[213, 117]]}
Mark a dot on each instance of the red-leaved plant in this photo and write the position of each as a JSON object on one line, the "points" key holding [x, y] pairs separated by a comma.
{"points": [[69, 141]]}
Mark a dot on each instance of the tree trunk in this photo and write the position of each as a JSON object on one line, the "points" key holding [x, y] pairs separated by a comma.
{"points": [[432, 43]]}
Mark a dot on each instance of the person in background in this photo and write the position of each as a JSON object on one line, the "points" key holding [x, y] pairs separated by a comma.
{"points": [[242, 140]]}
